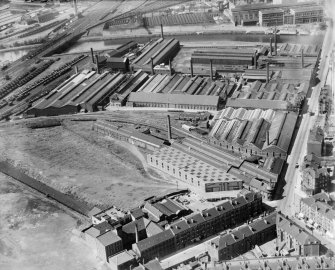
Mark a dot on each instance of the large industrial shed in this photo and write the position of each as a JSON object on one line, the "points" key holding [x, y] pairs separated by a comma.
{"points": [[128, 135], [193, 171], [254, 132], [160, 51], [182, 101], [87, 91], [227, 57]]}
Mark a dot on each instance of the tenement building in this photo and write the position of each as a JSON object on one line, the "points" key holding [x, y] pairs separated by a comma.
{"points": [[197, 226], [294, 240], [315, 177], [318, 212], [232, 244]]}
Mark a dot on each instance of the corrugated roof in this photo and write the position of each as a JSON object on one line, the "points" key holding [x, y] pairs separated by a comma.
{"points": [[257, 103]]}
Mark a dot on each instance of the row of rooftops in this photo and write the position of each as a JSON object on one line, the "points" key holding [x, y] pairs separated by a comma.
{"points": [[195, 220], [245, 231], [298, 233], [280, 263], [321, 203]]}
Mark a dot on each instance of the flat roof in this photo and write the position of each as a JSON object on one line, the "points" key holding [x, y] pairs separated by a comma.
{"points": [[173, 99]]}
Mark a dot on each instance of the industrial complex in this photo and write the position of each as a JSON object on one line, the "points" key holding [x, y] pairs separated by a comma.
{"points": [[178, 134]]}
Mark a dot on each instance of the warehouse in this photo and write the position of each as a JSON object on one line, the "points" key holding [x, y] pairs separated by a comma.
{"points": [[158, 52], [120, 96], [254, 132], [128, 135], [123, 49], [193, 171], [294, 94], [265, 104], [229, 57], [178, 84], [88, 91], [117, 64], [180, 101], [271, 17], [266, 172]]}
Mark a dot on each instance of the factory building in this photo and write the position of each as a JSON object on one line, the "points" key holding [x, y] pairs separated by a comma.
{"points": [[271, 17], [198, 226], [117, 64], [128, 135], [156, 53], [231, 244], [119, 97], [254, 132], [193, 171], [319, 213], [292, 94], [87, 91], [122, 50], [180, 101], [259, 178], [249, 14], [308, 14], [294, 240], [227, 57]]}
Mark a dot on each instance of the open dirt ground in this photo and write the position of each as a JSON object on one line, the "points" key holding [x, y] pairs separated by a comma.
{"points": [[36, 234], [76, 160]]}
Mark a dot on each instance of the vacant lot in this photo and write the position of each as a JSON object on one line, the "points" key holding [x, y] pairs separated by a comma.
{"points": [[76, 160], [36, 234]]}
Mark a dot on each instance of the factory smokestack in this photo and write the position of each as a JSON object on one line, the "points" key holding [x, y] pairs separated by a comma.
{"points": [[92, 54], [152, 66], [170, 67], [169, 127], [136, 233], [211, 68], [270, 46], [267, 138], [267, 72], [97, 60], [162, 33], [302, 58], [191, 63], [75, 8], [275, 42], [255, 59]]}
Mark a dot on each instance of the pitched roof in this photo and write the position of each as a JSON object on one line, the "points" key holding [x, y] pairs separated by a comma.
{"points": [[108, 238], [137, 213], [154, 240], [300, 234], [129, 228]]}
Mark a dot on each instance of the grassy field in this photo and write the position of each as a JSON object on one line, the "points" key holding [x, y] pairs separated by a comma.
{"points": [[36, 234], [76, 160]]}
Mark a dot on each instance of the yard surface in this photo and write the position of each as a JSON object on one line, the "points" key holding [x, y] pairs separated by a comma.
{"points": [[78, 161], [36, 234]]}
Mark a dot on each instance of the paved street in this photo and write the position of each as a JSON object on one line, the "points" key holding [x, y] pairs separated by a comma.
{"points": [[289, 205]]}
